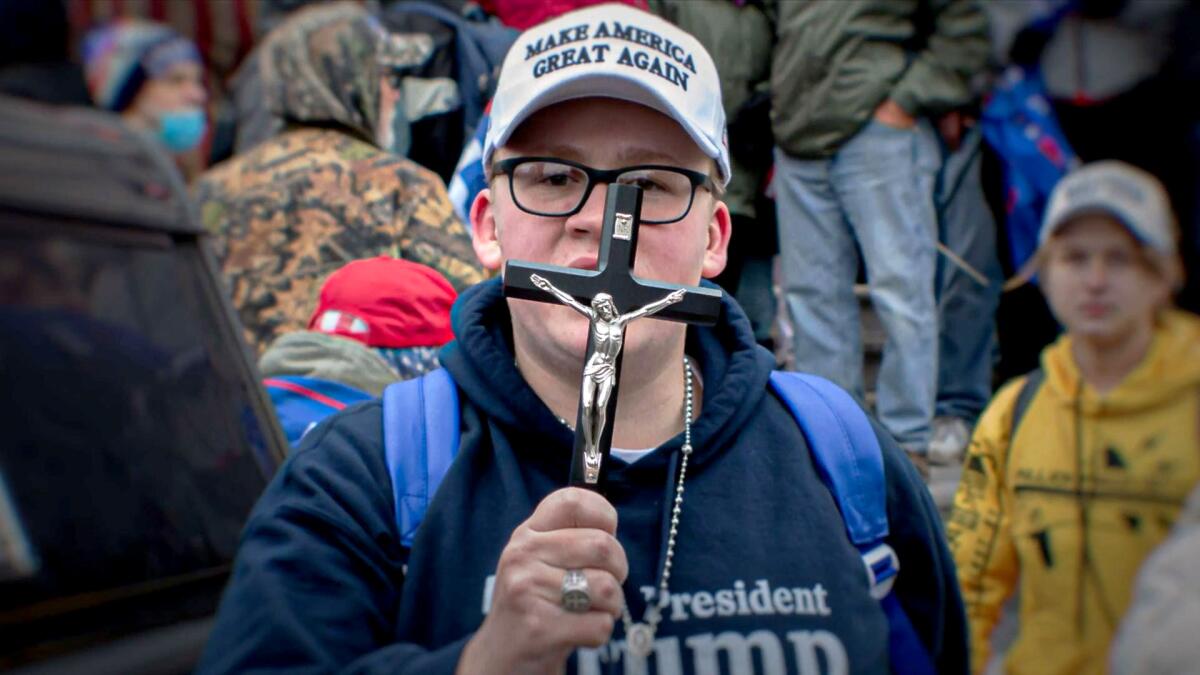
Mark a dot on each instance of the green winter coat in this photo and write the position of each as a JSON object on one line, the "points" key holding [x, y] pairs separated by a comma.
{"points": [[835, 62]]}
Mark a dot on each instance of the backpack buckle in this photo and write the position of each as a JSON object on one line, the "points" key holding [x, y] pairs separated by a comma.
{"points": [[882, 567]]}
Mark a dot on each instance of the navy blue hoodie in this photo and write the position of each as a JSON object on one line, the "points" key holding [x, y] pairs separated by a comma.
{"points": [[764, 578]]}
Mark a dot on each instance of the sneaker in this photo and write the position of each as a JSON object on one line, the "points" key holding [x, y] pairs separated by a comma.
{"points": [[950, 438]]}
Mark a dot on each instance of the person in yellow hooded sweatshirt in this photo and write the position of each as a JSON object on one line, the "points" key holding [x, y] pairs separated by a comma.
{"points": [[1078, 470]]}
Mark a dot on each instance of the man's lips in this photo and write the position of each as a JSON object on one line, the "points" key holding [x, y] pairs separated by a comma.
{"points": [[1094, 309], [586, 262]]}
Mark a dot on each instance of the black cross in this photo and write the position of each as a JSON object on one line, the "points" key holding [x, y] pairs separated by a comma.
{"points": [[613, 275]]}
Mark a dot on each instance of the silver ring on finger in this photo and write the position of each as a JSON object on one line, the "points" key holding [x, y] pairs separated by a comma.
{"points": [[575, 595]]}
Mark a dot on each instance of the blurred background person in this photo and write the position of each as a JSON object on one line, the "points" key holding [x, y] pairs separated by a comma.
{"points": [[1086, 80], [1076, 472], [224, 31], [1158, 633], [323, 192], [1106, 65], [377, 321], [446, 56], [856, 87], [969, 281], [153, 78]]}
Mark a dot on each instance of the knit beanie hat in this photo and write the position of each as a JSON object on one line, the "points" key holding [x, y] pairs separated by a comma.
{"points": [[119, 57]]}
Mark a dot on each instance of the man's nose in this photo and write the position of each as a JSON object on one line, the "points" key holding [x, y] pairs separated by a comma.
{"points": [[590, 219], [196, 94], [1096, 275]]}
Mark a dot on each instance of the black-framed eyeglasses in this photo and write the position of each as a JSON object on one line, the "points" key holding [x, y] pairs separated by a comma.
{"points": [[552, 187]]}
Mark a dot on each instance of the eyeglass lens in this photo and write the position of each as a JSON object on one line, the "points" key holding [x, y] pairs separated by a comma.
{"points": [[553, 189]]}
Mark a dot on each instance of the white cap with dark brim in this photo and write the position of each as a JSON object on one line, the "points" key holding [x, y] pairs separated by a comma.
{"points": [[1134, 197], [612, 51]]}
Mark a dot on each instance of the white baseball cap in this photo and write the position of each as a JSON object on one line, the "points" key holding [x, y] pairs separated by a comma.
{"points": [[1134, 197], [611, 51]]}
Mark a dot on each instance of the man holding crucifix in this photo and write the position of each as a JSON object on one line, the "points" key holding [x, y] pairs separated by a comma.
{"points": [[730, 554]]}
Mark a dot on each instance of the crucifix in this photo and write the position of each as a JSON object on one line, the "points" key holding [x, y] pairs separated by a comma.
{"points": [[611, 297]]}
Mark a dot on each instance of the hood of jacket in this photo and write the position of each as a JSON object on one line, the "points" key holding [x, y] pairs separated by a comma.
{"points": [[733, 368], [328, 357], [1170, 368], [321, 67]]}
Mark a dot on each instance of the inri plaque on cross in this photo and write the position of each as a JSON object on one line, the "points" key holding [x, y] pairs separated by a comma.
{"points": [[611, 297]]}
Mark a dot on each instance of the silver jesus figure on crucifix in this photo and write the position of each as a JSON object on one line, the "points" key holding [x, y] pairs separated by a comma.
{"points": [[600, 371]]}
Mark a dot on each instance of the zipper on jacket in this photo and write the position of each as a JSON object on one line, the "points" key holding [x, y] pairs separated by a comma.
{"points": [[1088, 570]]}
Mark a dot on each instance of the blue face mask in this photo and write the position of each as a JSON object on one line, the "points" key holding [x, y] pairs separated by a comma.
{"points": [[182, 130]]}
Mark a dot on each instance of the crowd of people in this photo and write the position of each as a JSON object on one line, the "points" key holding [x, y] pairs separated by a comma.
{"points": [[365, 167]]}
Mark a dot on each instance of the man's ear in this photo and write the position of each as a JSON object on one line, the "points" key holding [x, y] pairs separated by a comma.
{"points": [[716, 251], [484, 232]]}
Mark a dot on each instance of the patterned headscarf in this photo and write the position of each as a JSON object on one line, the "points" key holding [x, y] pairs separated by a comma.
{"points": [[120, 56], [321, 66], [411, 362], [324, 66]]}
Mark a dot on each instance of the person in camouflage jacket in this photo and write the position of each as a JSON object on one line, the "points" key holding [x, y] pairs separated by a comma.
{"points": [[326, 191]]}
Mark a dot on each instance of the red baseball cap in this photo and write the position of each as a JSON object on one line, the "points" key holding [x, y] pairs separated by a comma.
{"points": [[386, 302]]}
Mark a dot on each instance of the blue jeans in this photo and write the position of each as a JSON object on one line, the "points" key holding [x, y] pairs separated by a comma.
{"points": [[877, 191], [967, 308]]}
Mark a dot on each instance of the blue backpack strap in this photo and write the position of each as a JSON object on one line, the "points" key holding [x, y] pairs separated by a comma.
{"points": [[420, 440], [850, 462]]}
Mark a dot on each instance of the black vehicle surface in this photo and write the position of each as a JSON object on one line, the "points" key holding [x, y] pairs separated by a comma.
{"points": [[134, 437]]}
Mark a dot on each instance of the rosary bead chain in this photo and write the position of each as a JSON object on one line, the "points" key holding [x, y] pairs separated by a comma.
{"points": [[653, 613]]}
